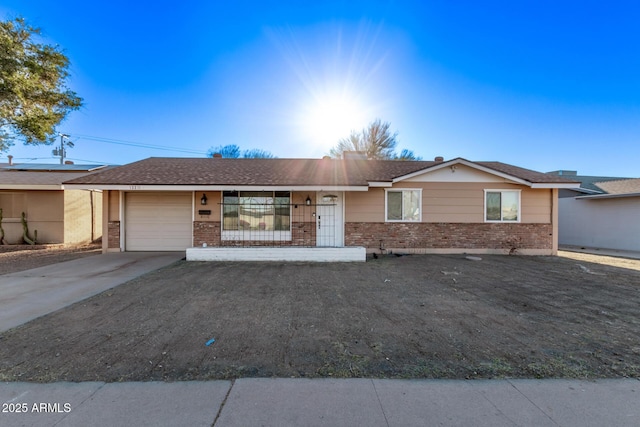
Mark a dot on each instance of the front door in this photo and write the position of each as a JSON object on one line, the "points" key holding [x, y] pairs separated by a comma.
{"points": [[329, 219]]}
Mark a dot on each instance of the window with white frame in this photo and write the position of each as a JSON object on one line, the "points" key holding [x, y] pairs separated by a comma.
{"points": [[403, 205], [502, 205]]}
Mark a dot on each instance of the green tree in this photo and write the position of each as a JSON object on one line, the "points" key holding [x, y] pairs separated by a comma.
{"points": [[232, 151], [34, 98], [376, 141]]}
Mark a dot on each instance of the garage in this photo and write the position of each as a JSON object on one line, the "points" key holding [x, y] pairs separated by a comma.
{"points": [[158, 221]]}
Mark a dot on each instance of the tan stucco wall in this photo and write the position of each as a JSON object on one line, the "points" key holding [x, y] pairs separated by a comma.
{"points": [[58, 216], [44, 211], [82, 216], [113, 205], [450, 202], [110, 221], [213, 205]]}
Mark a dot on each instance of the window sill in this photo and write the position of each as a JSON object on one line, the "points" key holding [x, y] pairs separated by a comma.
{"points": [[256, 235]]}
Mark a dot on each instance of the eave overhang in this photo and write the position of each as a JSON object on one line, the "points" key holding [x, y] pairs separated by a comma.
{"points": [[564, 185], [32, 187], [150, 187], [607, 196]]}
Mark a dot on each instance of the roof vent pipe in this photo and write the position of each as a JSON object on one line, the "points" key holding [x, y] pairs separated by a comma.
{"points": [[10, 157], [439, 159], [217, 156]]}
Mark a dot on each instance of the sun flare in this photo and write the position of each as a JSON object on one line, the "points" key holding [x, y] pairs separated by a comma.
{"points": [[333, 84], [331, 118]]}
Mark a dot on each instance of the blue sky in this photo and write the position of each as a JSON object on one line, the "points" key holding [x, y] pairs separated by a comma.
{"points": [[544, 85]]}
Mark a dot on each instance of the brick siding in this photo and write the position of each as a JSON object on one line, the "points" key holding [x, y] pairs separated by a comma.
{"points": [[502, 236], [206, 232], [302, 234], [449, 235], [113, 234]]}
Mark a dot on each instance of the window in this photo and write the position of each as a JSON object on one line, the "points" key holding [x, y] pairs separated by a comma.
{"points": [[403, 205], [256, 212], [502, 205]]}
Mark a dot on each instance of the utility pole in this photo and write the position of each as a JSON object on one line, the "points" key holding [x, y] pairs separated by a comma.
{"points": [[61, 151]]}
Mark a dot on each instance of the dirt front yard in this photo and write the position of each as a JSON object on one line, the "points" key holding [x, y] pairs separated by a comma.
{"points": [[420, 316], [14, 258]]}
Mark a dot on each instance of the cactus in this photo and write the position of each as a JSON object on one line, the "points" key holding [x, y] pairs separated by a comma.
{"points": [[2, 241], [25, 232]]}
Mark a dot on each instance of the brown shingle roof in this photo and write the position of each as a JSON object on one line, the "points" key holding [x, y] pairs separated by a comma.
{"points": [[526, 174], [280, 172], [622, 186], [37, 178]]}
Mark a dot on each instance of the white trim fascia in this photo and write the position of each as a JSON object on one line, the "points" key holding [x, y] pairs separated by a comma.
{"points": [[199, 188], [193, 217], [121, 210], [586, 191], [34, 187], [567, 185], [386, 184], [466, 163], [608, 196]]}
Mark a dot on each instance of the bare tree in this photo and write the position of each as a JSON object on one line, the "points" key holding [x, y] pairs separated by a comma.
{"points": [[376, 141], [232, 151]]}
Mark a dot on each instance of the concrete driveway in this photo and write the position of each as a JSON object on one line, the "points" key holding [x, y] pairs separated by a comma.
{"points": [[29, 294]]}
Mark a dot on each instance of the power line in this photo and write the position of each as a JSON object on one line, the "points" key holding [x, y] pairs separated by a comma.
{"points": [[137, 144], [85, 160]]}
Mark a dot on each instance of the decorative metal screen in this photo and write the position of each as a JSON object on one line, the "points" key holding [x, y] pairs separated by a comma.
{"points": [[274, 221]]}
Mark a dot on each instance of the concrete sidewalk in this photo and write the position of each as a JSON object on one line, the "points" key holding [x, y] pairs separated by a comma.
{"points": [[325, 402], [29, 294]]}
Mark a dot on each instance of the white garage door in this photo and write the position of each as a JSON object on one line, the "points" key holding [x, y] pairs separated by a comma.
{"points": [[157, 221]]}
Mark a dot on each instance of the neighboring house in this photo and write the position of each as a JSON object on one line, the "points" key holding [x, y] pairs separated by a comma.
{"points": [[401, 206], [603, 212], [58, 214]]}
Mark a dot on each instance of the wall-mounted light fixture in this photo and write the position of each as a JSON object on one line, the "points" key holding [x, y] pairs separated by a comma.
{"points": [[453, 168], [308, 201], [203, 199]]}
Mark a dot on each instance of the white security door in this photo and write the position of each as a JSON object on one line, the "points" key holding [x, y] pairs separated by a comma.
{"points": [[329, 219], [158, 221]]}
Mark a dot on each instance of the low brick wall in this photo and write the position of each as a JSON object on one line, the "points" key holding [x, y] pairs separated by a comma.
{"points": [[206, 232], [302, 234], [113, 238], [481, 236]]}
